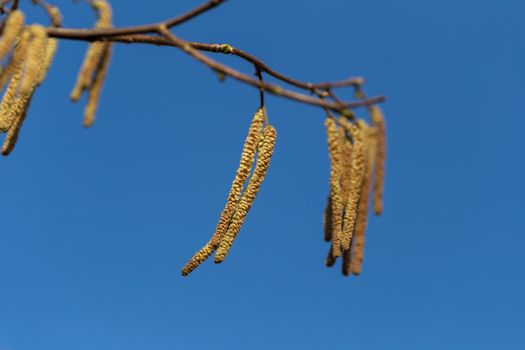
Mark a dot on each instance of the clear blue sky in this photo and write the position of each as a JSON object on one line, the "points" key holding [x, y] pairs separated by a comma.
{"points": [[96, 224]]}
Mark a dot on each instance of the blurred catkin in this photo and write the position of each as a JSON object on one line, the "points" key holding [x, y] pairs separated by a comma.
{"points": [[265, 152], [95, 65], [14, 25], [378, 122], [356, 175], [369, 141]]}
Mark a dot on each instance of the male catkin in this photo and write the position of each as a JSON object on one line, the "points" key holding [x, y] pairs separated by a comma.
{"points": [[94, 67], [356, 175], [379, 123], [14, 25], [242, 174], [369, 141], [35, 58], [335, 151], [265, 152], [198, 259]]}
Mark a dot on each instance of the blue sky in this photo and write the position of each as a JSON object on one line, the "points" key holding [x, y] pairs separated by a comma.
{"points": [[96, 224]]}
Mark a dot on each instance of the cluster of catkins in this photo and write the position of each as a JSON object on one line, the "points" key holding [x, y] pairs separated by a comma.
{"points": [[258, 149], [29, 52], [357, 168]]}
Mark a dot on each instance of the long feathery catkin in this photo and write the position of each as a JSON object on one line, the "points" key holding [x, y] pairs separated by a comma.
{"points": [[14, 25], [379, 123], [356, 175], [13, 73], [242, 174], [32, 73], [362, 211], [334, 149], [346, 156], [330, 258], [95, 53], [96, 88], [51, 49], [265, 152]]}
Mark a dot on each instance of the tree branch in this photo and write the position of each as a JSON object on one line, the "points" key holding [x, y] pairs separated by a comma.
{"points": [[92, 34]]}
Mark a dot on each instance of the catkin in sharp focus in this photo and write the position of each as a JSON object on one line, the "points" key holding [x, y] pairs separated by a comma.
{"points": [[14, 25], [242, 174], [356, 176], [335, 151], [94, 67], [369, 140], [379, 123], [264, 155]]}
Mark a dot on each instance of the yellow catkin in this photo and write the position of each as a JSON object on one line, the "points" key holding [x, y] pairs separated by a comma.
{"points": [[36, 55], [13, 73], [346, 166], [13, 27], [16, 114], [334, 149], [96, 88], [242, 174], [379, 123], [347, 261], [95, 53], [362, 211], [265, 152], [198, 259], [356, 175], [51, 49]]}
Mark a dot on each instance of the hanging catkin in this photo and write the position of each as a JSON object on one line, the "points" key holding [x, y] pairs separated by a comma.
{"points": [[265, 152], [356, 175], [14, 25], [379, 123], [94, 67], [369, 140], [335, 151], [36, 55], [242, 174], [13, 73], [347, 261]]}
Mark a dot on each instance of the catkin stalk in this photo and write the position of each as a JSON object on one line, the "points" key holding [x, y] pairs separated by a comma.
{"points": [[262, 163], [379, 123], [334, 149], [356, 175]]}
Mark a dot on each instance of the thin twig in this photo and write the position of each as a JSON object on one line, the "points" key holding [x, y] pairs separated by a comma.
{"points": [[271, 88], [84, 34]]}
